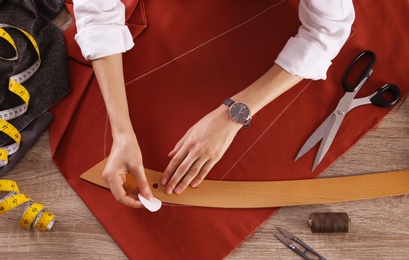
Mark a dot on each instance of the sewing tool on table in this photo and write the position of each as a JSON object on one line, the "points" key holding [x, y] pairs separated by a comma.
{"points": [[299, 246], [329, 128], [34, 214], [15, 86], [326, 222], [329, 222]]}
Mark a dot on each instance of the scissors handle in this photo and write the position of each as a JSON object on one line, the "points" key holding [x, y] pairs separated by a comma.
{"points": [[386, 96], [365, 75]]}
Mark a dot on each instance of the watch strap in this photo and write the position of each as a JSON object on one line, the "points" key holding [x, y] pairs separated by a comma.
{"points": [[228, 102]]}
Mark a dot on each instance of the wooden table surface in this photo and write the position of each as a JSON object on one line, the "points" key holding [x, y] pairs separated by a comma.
{"points": [[380, 227]]}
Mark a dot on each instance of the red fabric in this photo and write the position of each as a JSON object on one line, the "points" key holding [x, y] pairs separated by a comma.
{"points": [[191, 56]]}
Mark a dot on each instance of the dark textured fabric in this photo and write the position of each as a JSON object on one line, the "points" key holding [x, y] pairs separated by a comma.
{"points": [[29, 136], [50, 83]]}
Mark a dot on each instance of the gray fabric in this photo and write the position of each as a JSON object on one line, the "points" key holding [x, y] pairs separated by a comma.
{"points": [[29, 137], [51, 82]]}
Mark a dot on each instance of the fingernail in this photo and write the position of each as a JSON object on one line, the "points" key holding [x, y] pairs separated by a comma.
{"points": [[164, 181], [149, 195], [178, 190], [194, 184], [169, 190]]}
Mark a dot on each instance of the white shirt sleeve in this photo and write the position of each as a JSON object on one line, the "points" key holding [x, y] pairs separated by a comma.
{"points": [[326, 25], [101, 29]]}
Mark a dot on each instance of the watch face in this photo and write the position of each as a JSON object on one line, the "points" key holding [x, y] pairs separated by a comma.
{"points": [[239, 112]]}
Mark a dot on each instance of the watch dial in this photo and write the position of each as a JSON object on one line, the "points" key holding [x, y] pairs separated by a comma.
{"points": [[239, 112]]}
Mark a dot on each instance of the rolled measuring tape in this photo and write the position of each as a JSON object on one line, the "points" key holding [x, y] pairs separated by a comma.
{"points": [[16, 87], [329, 222], [34, 214]]}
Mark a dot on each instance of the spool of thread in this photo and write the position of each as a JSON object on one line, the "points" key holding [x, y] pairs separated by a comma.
{"points": [[329, 222]]}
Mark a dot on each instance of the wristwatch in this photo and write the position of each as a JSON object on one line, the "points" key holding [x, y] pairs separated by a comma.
{"points": [[239, 112]]}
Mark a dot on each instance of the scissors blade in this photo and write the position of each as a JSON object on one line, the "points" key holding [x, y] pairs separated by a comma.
{"points": [[329, 137], [293, 237], [314, 138], [287, 234], [286, 242], [282, 239], [286, 237]]}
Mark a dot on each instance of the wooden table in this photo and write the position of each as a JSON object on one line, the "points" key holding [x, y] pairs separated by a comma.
{"points": [[380, 227]]}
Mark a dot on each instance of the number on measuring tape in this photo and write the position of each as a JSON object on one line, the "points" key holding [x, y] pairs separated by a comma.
{"points": [[35, 215], [16, 87]]}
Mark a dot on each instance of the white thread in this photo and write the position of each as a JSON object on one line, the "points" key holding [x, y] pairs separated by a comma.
{"points": [[204, 43], [282, 112], [262, 134], [105, 136], [190, 51], [208, 41]]}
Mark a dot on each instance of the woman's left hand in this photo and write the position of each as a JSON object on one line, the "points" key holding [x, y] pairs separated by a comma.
{"points": [[199, 150]]}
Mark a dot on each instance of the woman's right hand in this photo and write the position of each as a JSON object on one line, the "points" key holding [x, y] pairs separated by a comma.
{"points": [[126, 157]]}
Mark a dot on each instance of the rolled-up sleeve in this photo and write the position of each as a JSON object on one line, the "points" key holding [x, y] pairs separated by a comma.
{"points": [[325, 27], [101, 29]]}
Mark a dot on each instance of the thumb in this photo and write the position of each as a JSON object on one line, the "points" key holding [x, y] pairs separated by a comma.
{"points": [[142, 182]]}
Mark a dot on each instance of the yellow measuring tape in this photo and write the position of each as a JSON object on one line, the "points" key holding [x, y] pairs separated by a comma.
{"points": [[15, 86], [35, 214]]}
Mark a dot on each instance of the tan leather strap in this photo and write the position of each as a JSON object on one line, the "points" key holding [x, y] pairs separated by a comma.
{"points": [[268, 194]]}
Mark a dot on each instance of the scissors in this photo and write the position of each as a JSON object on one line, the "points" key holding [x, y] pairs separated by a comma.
{"points": [[384, 97], [286, 238]]}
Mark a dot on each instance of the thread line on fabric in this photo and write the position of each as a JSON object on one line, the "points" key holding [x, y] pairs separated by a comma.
{"points": [[353, 31], [192, 50], [265, 130], [205, 43]]}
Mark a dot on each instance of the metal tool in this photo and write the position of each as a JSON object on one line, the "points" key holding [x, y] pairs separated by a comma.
{"points": [[287, 239], [384, 97]]}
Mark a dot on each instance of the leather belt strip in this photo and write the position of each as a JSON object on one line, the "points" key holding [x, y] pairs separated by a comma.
{"points": [[269, 194], [34, 214], [15, 86]]}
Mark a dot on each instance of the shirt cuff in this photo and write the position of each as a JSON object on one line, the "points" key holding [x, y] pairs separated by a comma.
{"points": [[301, 58], [104, 40]]}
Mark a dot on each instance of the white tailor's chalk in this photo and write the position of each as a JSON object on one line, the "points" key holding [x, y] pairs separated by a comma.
{"points": [[152, 205]]}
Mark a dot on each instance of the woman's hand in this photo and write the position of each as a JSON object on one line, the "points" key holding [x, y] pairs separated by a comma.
{"points": [[199, 150], [126, 157], [206, 142]]}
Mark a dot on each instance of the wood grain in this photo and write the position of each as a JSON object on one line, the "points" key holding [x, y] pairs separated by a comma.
{"points": [[380, 227]]}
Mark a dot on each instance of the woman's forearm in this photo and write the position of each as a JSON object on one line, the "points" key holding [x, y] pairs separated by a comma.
{"points": [[109, 73], [268, 87], [125, 155]]}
